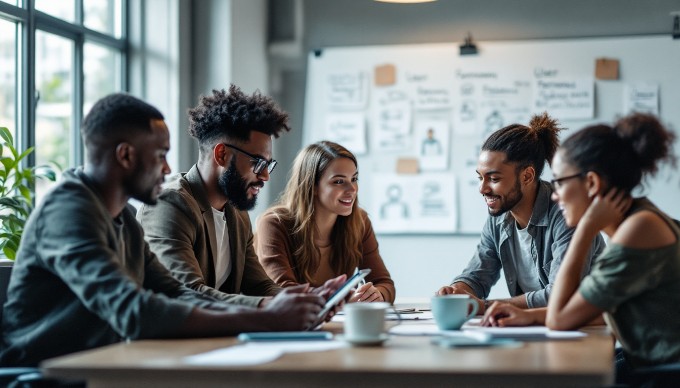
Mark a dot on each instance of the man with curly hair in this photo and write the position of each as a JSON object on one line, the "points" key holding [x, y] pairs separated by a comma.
{"points": [[85, 277], [200, 228]]}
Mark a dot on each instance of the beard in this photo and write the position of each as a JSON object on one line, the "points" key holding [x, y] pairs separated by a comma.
{"points": [[235, 187], [510, 200]]}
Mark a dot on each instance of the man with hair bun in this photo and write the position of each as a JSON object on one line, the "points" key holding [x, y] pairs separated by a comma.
{"points": [[635, 281], [525, 234], [200, 228]]}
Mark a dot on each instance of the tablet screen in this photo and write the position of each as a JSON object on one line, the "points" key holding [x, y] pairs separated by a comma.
{"points": [[342, 292]]}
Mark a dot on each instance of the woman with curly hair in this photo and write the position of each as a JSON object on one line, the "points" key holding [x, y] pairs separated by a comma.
{"points": [[317, 231], [635, 282]]}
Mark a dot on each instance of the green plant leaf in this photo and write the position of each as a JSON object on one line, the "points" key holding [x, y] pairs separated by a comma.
{"points": [[6, 135]]}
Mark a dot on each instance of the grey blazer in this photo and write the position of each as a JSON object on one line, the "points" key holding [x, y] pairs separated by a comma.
{"points": [[181, 231]]}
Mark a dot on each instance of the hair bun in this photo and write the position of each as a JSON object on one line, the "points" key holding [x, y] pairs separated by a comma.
{"points": [[649, 139]]}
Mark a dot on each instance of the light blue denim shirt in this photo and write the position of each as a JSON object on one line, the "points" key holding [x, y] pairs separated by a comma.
{"points": [[551, 236]]}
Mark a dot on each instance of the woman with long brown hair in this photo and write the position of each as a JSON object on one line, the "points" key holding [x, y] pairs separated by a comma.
{"points": [[317, 231]]}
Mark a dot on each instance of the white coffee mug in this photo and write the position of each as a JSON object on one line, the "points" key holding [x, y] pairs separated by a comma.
{"points": [[365, 321]]}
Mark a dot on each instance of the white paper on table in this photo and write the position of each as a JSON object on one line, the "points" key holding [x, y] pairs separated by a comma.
{"points": [[259, 353], [297, 346], [416, 329], [527, 333], [420, 316], [520, 333], [234, 356]]}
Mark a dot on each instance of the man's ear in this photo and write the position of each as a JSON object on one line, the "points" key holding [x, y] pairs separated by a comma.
{"points": [[125, 155], [528, 175], [221, 154]]}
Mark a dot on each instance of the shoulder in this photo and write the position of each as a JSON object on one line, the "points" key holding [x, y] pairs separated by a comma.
{"points": [[644, 229], [272, 220], [175, 197]]}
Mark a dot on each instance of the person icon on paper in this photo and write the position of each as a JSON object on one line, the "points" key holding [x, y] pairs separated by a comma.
{"points": [[395, 207], [492, 122], [431, 146]]}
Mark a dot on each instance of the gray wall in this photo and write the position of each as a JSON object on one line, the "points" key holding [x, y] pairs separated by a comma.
{"points": [[330, 23]]}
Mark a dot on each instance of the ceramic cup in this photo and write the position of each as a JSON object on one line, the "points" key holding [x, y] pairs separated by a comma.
{"points": [[451, 311], [365, 321]]}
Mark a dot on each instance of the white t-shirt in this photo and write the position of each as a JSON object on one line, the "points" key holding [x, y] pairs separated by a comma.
{"points": [[223, 259], [527, 273]]}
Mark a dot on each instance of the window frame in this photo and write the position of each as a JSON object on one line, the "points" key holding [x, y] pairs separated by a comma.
{"points": [[29, 20]]}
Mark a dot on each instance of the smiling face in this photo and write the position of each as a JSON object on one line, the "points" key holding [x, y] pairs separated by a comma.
{"points": [[337, 188], [498, 182], [239, 183], [145, 182], [571, 195]]}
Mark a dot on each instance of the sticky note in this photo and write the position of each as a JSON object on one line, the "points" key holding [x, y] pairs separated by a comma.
{"points": [[606, 68], [385, 75], [407, 166]]}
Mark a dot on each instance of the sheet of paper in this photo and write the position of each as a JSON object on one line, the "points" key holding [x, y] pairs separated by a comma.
{"points": [[234, 356], [473, 328], [259, 353], [530, 332], [417, 329]]}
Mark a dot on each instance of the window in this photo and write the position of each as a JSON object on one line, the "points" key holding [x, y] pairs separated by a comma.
{"points": [[8, 75], [57, 59]]}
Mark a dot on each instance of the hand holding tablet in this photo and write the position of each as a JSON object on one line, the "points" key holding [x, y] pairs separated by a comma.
{"points": [[341, 293]]}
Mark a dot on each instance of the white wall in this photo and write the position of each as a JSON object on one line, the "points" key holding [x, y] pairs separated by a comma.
{"points": [[420, 265]]}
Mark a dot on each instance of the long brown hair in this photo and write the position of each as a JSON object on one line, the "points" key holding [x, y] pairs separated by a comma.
{"points": [[296, 207]]}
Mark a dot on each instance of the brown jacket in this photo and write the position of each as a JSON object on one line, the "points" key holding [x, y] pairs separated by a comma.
{"points": [[181, 231], [275, 248]]}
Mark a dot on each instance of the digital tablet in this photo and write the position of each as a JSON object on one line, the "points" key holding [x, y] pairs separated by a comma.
{"points": [[286, 336], [341, 293]]}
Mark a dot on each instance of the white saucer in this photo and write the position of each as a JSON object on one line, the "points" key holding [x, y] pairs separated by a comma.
{"points": [[364, 341]]}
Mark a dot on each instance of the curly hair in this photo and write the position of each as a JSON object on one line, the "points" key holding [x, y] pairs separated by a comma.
{"points": [[234, 115], [527, 146]]}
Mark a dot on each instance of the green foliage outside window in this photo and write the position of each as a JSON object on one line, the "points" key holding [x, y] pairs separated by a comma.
{"points": [[17, 192]]}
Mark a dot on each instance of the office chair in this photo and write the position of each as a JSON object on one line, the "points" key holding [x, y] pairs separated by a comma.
{"points": [[660, 376], [25, 377]]}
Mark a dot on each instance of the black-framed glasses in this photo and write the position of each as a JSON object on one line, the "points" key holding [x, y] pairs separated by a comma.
{"points": [[557, 182], [259, 164]]}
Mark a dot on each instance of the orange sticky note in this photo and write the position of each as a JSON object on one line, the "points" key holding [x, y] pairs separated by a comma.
{"points": [[606, 68], [385, 75], [407, 166]]}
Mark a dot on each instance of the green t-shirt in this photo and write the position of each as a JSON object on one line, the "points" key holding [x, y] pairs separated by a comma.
{"points": [[639, 289]]}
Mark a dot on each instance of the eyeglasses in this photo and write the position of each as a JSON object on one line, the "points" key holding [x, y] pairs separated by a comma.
{"points": [[556, 183], [259, 164]]}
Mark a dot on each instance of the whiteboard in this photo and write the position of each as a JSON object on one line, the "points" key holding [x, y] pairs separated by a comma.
{"points": [[429, 104]]}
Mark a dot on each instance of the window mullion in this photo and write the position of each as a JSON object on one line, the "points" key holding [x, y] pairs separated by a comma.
{"points": [[78, 98], [27, 91]]}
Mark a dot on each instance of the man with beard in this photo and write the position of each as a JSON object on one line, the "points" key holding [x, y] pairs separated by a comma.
{"points": [[200, 228], [84, 276], [525, 234]]}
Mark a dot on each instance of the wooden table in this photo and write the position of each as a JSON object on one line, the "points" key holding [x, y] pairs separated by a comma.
{"points": [[402, 361]]}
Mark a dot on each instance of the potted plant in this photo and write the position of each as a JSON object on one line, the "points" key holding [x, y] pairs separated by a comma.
{"points": [[17, 195]]}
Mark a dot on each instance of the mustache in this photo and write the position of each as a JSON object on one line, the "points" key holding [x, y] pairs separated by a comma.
{"points": [[257, 184]]}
